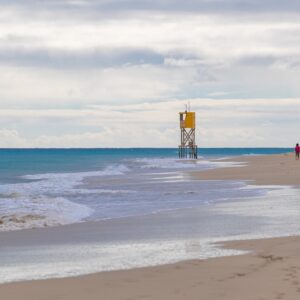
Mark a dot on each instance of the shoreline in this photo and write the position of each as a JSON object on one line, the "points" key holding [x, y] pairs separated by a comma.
{"points": [[227, 277]]}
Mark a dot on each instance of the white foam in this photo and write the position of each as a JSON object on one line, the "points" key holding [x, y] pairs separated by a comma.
{"points": [[169, 163], [227, 164], [253, 154], [21, 212], [40, 203], [110, 170], [272, 204], [74, 260]]}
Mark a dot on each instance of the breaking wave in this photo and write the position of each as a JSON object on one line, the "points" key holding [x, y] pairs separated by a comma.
{"points": [[20, 212], [45, 200]]}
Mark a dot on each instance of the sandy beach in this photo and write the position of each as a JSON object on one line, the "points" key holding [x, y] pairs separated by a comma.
{"points": [[270, 271], [261, 170]]}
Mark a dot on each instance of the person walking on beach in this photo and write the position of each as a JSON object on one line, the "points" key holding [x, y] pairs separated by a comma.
{"points": [[297, 151]]}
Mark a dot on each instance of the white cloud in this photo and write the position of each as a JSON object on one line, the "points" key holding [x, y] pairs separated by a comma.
{"points": [[222, 123], [12, 139], [78, 73], [56, 87]]}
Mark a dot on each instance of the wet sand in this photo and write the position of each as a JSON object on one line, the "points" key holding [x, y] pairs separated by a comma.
{"points": [[270, 271]]}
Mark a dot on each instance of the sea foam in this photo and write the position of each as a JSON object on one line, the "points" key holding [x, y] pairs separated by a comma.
{"points": [[45, 200]]}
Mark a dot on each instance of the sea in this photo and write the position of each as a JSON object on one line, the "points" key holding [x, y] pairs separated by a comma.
{"points": [[50, 187], [70, 212]]}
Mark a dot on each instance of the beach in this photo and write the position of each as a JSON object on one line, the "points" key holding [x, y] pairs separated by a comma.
{"points": [[268, 270]]}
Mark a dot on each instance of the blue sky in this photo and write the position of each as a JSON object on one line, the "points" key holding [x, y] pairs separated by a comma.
{"points": [[115, 73]]}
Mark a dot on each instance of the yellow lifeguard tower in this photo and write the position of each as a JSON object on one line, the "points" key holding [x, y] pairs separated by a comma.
{"points": [[188, 147]]}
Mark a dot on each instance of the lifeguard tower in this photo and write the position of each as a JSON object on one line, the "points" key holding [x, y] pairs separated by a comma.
{"points": [[188, 147]]}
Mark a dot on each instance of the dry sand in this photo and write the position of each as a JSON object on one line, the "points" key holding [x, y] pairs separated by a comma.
{"points": [[280, 169], [270, 271]]}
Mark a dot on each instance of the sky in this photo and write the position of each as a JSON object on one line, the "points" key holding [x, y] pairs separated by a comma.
{"points": [[115, 73]]}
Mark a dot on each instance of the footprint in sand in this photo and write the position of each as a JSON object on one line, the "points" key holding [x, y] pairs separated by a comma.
{"points": [[280, 295]]}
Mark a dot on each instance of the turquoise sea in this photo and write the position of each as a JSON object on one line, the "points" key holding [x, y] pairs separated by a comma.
{"points": [[15, 163]]}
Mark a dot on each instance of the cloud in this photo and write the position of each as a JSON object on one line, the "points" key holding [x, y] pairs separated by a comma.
{"points": [[90, 73], [221, 123], [146, 57], [12, 139], [52, 88], [207, 6], [85, 59], [148, 36]]}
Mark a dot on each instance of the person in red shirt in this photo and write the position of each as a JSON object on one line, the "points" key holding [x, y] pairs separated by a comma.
{"points": [[297, 151]]}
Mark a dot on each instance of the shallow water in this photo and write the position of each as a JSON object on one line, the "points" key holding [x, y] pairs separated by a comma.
{"points": [[165, 237]]}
